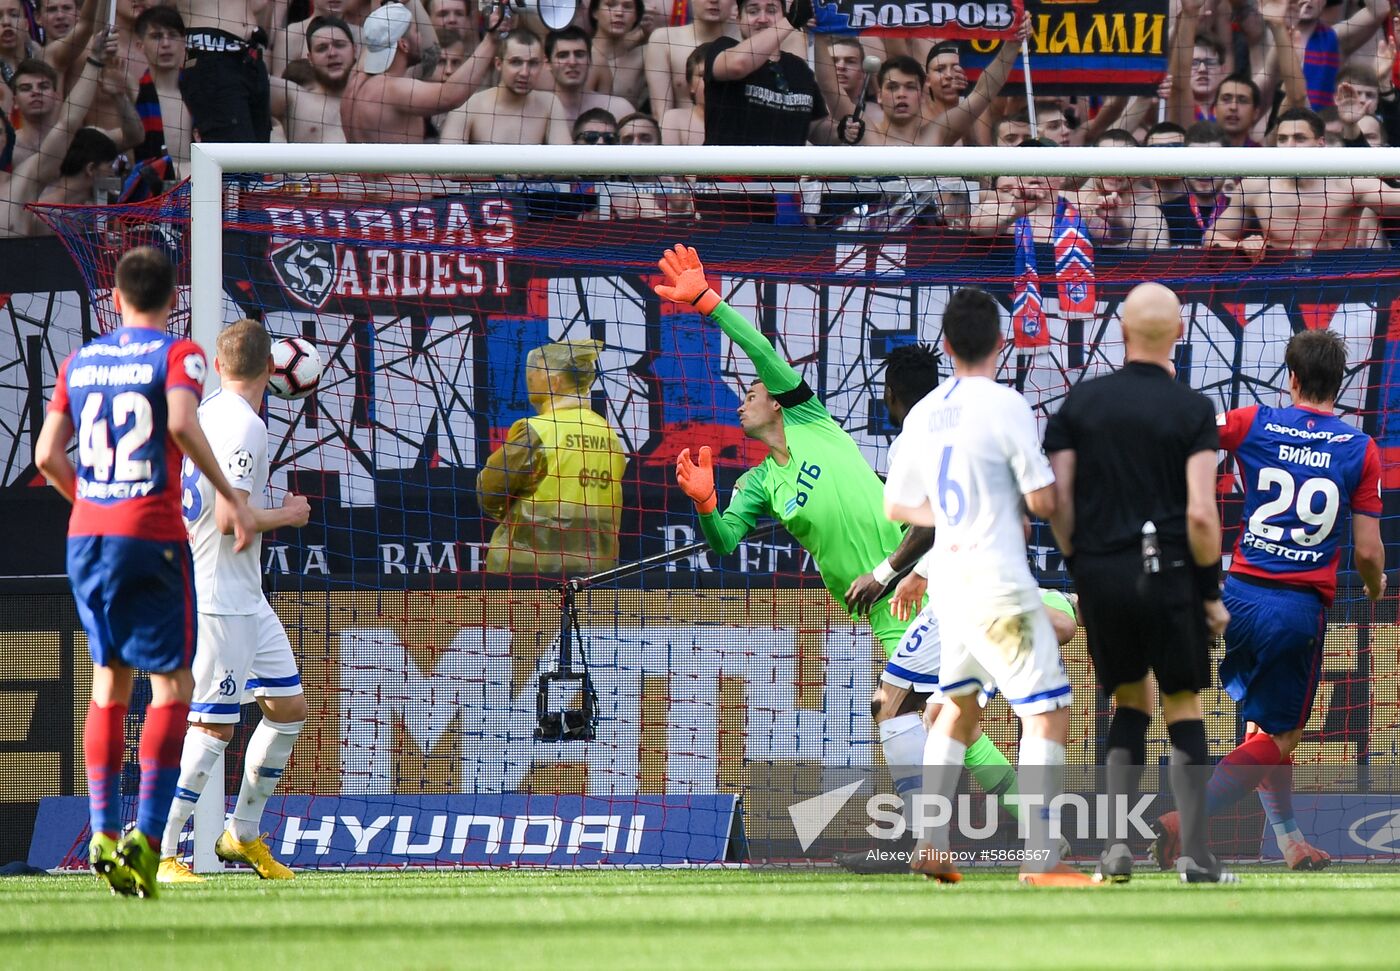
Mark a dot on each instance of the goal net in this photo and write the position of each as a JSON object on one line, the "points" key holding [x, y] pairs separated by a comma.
{"points": [[443, 620]]}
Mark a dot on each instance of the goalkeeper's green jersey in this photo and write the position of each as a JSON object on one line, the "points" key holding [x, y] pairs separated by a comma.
{"points": [[827, 495]]}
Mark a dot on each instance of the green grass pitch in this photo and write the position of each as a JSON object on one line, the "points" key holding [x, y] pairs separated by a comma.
{"points": [[1344, 918]]}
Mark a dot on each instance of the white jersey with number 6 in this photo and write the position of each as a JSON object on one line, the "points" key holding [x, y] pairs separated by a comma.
{"points": [[226, 582], [971, 449]]}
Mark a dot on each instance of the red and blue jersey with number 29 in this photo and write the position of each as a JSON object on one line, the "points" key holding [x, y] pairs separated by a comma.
{"points": [[114, 391], [1304, 473]]}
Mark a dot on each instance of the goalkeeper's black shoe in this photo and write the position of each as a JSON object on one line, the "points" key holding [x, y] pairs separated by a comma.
{"points": [[881, 858]]}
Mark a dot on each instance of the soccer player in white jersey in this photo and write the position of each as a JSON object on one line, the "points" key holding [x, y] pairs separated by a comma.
{"points": [[243, 649], [969, 463]]}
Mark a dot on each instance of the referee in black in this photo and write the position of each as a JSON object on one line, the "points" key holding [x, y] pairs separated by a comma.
{"points": [[1134, 454]]}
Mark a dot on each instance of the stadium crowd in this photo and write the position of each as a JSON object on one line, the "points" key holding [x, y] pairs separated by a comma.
{"points": [[637, 72]]}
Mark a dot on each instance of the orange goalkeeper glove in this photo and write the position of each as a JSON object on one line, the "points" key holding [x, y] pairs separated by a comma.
{"points": [[697, 481], [685, 280]]}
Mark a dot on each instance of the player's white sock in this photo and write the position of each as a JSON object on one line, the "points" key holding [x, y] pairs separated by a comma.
{"points": [[1042, 769], [268, 751], [903, 738], [197, 760], [943, 766]]}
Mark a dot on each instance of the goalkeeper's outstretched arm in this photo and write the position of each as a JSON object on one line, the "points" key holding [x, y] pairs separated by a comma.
{"points": [[686, 283], [722, 531]]}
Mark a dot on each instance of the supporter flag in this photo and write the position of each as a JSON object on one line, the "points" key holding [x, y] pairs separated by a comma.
{"points": [[1074, 262], [1027, 314], [1109, 47]]}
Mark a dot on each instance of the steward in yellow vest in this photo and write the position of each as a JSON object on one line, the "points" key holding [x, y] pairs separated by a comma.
{"points": [[556, 482]]}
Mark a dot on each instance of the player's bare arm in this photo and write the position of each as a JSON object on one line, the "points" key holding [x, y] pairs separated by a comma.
{"points": [[1042, 502], [295, 511], [908, 596], [1370, 553], [51, 454], [183, 421], [870, 587], [1203, 528], [1062, 521]]}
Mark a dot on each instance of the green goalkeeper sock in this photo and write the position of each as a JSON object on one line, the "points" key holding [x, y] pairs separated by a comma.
{"points": [[992, 772]]}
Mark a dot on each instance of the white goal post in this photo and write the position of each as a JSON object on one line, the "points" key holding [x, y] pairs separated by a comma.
{"points": [[210, 163]]}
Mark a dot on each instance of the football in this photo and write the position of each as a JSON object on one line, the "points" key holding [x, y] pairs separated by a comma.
{"points": [[296, 368]]}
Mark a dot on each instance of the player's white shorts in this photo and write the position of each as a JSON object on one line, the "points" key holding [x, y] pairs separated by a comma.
{"points": [[240, 657], [1017, 655], [914, 664]]}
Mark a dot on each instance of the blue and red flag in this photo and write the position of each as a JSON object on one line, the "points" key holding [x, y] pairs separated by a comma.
{"points": [[1074, 262], [1108, 47], [1027, 313]]}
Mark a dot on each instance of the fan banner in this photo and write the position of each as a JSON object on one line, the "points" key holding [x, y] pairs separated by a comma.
{"points": [[916, 18], [1109, 47]]}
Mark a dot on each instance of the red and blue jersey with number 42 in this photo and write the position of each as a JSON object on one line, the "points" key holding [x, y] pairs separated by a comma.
{"points": [[114, 391], [1304, 473]]}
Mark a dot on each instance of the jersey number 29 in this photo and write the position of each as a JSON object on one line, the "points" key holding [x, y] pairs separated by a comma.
{"points": [[1302, 499]]}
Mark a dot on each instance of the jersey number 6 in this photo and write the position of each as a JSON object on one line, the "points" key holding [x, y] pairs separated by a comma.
{"points": [[948, 489]]}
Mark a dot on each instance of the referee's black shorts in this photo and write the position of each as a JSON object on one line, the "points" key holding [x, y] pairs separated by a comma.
{"points": [[1136, 623]]}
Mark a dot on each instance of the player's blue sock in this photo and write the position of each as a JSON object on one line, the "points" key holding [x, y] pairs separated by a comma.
{"points": [[1276, 795], [104, 746], [1240, 771], [162, 741]]}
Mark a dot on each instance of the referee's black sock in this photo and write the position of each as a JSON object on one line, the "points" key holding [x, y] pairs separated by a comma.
{"points": [[1123, 762], [1189, 776]]}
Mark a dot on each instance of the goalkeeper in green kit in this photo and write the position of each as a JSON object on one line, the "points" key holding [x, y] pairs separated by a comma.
{"points": [[818, 484]]}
